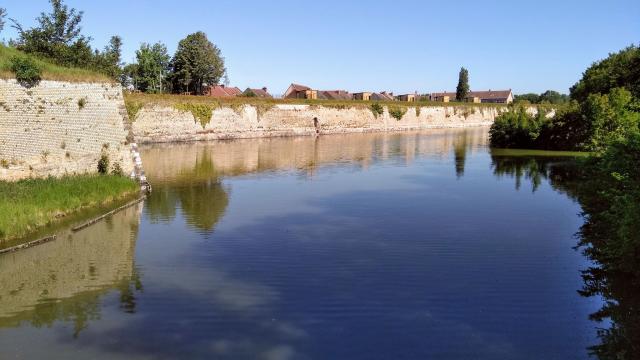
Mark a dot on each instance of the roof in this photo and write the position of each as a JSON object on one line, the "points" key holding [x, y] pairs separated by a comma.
{"points": [[482, 95], [223, 91], [297, 87], [334, 95], [381, 96], [262, 93]]}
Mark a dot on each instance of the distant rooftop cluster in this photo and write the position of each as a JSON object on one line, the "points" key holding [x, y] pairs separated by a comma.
{"points": [[297, 91]]}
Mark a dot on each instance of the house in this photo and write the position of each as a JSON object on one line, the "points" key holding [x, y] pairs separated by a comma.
{"points": [[489, 96], [334, 95], [261, 93], [221, 91], [407, 97], [382, 96], [365, 96], [296, 91]]}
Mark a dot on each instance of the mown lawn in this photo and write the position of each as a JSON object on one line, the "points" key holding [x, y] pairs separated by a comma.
{"points": [[49, 70], [27, 205]]}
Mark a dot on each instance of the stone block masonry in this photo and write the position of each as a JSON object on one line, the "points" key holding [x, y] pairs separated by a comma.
{"points": [[58, 128]]}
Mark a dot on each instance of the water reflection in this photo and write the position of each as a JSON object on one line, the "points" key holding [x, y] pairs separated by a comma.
{"points": [[364, 246], [64, 280], [615, 273]]}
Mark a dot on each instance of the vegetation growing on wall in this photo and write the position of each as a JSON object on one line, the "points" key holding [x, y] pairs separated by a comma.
{"points": [[397, 112], [376, 109], [201, 112]]}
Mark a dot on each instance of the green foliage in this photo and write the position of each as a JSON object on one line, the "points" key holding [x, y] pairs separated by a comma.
{"points": [[82, 102], [3, 14], [117, 170], [26, 70], [197, 62], [376, 109], [29, 204], [201, 112], [57, 37], [463, 85], [621, 69], [152, 68], [612, 117], [547, 97], [397, 112], [517, 129], [103, 164], [132, 109]]}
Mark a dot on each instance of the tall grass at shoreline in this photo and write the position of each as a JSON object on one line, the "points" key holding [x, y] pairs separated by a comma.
{"points": [[27, 205]]}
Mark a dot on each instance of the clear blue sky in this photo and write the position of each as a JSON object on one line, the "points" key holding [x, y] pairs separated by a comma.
{"points": [[374, 45]]}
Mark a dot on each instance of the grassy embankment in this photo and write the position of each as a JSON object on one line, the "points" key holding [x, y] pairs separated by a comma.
{"points": [[28, 205], [49, 70]]}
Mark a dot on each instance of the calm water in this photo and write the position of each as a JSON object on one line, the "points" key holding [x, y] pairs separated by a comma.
{"points": [[365, 246]]}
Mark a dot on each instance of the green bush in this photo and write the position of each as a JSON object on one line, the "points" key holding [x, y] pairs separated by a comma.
{"points": [[377, 109], [28, 73], [517, 129], [397, 112], [103, 164]]}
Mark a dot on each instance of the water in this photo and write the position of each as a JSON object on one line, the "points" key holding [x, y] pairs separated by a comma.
{"points": [[366, 246]]}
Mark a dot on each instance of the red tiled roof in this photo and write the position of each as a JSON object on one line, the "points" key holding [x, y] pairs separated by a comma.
{"points": [[222, 91]]}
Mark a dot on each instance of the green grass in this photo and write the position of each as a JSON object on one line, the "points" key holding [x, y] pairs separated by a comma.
{"points": [[33, 203], [49, 70]]}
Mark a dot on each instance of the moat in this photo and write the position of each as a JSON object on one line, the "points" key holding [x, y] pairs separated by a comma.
{"points": [[415, 245]]}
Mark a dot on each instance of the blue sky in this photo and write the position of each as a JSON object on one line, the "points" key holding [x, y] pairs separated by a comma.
{"points": [[374, 45]]}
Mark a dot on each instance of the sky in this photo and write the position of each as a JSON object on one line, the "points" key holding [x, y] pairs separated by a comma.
{"points": [[373, 45]]}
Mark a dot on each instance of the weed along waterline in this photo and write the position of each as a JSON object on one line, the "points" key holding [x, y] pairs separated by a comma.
{"points": [[323, 186]]}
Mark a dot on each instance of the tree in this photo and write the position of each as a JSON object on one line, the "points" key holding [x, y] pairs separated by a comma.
{"points": [[108, 61], [621, 69], [3, 13], [553, 97], [197, 62], [56, 37], [463, 85], [532, 98], [152, 67]]}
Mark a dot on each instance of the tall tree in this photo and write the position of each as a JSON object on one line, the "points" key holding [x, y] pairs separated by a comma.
{"points": [[108, 61], [57, 36], [152, 67], [197, 62], [3, 13], [463, 85]]}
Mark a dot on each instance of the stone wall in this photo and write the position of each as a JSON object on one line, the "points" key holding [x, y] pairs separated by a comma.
{"points": [[58, 128], [166, 124]]}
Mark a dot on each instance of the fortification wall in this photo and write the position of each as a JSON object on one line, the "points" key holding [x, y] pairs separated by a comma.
{"points": [[166, 124], [58, 128]]}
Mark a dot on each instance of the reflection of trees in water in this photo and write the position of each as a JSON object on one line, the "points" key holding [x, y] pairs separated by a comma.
{"points": [[65, 280], [460, 148], [610, 237], [197, 191]]}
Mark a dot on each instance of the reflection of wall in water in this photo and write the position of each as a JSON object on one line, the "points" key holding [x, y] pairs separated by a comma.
{"points": [[240, 157], [64, 279]]}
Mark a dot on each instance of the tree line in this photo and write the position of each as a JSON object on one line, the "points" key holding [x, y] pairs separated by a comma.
{"points": [[57, 37]]}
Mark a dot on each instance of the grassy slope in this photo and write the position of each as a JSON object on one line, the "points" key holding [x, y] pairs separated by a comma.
{"points": [[49, 70], [29, 204]]}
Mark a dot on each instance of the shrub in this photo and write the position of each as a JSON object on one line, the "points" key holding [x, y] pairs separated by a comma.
{"points": [[132, 109], [103, 164], [397, 112], [28, 73], [201, 112], [117, 170], [82, 102], [517, 128], [377, 109]]}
